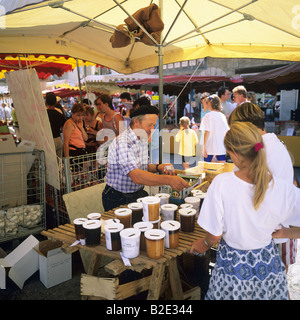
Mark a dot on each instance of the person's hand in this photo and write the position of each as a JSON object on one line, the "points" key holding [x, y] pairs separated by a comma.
{"points": [[167, 168], [198, 246], [279, 233], [205, 153], [91, 131], [178, 184], [80, 124]]}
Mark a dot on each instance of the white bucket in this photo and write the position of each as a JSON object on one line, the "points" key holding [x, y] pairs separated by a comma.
{"points": [[125, 216], [171, 229], [155, 243], [130, 240], [168, 211], [151, 208], [164, 198], [112, 236], [143, 226]]}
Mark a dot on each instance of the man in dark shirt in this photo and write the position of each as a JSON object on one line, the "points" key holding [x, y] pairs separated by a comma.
{"points": [[57, 121]]}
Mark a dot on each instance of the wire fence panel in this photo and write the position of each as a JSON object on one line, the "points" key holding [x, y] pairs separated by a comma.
{"points": [[76, 173], [22, 194]]}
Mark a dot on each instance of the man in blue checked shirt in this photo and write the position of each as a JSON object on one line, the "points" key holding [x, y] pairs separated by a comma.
{"points": [[128, 167]]}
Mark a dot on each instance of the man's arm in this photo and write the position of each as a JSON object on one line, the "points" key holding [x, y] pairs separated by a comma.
{"points": [[143, 177], [161, 168]]}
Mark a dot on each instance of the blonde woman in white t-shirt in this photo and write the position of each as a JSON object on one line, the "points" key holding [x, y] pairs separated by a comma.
{"points": [[278, 161], [214, 125], [241, 211]]}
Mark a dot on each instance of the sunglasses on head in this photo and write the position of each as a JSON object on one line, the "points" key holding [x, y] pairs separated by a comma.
{"points": [[205, 99]]}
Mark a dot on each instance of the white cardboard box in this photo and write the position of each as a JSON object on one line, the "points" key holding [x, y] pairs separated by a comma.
{"points": [[55, 265], [23, 263]]}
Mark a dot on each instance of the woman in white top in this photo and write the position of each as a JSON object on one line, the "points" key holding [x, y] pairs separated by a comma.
{"points": [[214, 125], [241, 210], [278, 161]]}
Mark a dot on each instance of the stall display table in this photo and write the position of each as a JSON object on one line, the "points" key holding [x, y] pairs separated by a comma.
{"points": [[155, 282]]}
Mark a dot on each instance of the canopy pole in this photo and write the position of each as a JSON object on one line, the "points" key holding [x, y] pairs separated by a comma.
{"points": [[161, 99], [79, 82], [161, 87]]}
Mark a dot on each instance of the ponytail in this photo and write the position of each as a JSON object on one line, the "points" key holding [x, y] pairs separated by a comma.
{"points": [[244, 139]]}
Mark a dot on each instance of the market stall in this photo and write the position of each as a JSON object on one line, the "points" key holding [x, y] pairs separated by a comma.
{"points": [[157, 244]]}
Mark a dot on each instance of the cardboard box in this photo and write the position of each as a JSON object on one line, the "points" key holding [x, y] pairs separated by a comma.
{"points": [[178, 197], [22, 263], [55, 266]]}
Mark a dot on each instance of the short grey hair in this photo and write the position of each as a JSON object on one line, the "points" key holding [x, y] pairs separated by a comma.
{"points": [[140, 118]]}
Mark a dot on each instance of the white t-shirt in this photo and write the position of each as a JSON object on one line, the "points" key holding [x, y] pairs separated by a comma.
{"points": [[227, 108], [279, 162], [278, 158], [215, 122], [228, 211]]}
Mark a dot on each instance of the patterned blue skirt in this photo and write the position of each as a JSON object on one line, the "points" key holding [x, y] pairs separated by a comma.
{"points": [[248, 274]]}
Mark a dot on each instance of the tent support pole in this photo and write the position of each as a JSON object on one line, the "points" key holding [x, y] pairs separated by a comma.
{"points": [[161, 99], [79, 83]]}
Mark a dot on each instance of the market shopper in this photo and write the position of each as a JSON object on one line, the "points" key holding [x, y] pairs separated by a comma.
{"points": [[112, 125], [74, 134], [278, 161], [141, 101], [57, 121], [204, 109], [214, 125], [128, 168], [92, 126], [224, 95], [239, 94], [112, 122], [126, 104], [241, 210], [188, 140]]}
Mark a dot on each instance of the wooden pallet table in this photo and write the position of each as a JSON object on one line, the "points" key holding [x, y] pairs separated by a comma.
{"points": [[155, 282]]}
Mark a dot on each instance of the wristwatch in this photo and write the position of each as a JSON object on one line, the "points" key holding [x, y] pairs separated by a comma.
{"points": [[156, 167], [205, 242]]}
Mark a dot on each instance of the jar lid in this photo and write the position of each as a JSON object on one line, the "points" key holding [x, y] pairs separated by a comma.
{"points": [[80, 221], [135, 205], [155, 234], [162, 195], [123, 211], [150, 200], [200, 196], [170, 225], [113, 227], [187, 211], [169, 206], [186, 205], [196, 192], [112, 221], [94, 215], [143, 225], [92, 224], [191, 199], [130, 233]]}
